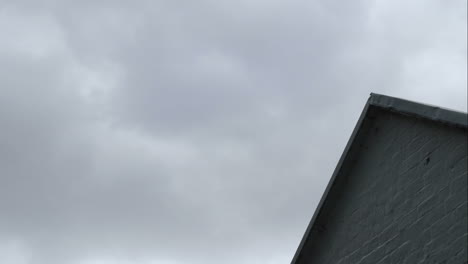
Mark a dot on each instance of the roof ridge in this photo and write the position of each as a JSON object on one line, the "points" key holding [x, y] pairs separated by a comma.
{"points": [[421, 110]]}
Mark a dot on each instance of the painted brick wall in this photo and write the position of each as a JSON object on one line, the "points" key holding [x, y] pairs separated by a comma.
{"points": [[403, 199]]}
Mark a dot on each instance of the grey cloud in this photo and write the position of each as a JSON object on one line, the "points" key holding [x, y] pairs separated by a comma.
{"points": [[178, 132]]}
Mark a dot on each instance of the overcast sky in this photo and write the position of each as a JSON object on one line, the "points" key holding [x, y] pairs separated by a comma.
{"points": [[196, 132]]}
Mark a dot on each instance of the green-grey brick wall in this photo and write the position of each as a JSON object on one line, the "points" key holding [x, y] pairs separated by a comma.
{"points": [[402, 199]]}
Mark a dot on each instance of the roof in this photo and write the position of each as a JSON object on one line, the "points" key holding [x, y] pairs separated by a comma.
{"points": [[386, 103]]}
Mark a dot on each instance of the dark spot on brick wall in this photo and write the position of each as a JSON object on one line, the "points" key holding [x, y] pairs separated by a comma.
{"points": [[428, 159]]}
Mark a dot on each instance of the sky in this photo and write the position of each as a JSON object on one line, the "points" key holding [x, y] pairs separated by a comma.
{"points": [[201, 132]]}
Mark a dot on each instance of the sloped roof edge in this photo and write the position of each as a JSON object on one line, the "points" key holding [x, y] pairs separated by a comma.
{"points": [[434, 113], [401, 106]]}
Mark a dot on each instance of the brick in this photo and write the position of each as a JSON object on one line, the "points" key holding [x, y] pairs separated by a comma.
{"points": [[434, 174], [459, 184], [461, 212], [416, 256], [460, 167], [458, 229], [427, 205], [441, 226], [434, 215], [455, 201], [386, 260], [443, 194], [415, 186], [373, 257], [457, 155], [387, 234], [407, 219], [441, 256], [459, 245], [439, 242], [401, 253], [460, 258], [393, 243], [420, 241]]}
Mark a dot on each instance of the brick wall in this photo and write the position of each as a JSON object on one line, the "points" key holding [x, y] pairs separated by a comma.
{"points": [[403, 199]]}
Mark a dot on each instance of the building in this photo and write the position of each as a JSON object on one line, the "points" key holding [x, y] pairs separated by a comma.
{"points": [[399, 191]]}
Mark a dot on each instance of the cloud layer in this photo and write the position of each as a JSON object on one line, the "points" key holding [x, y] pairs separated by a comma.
{"points": [[176, 132]]}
